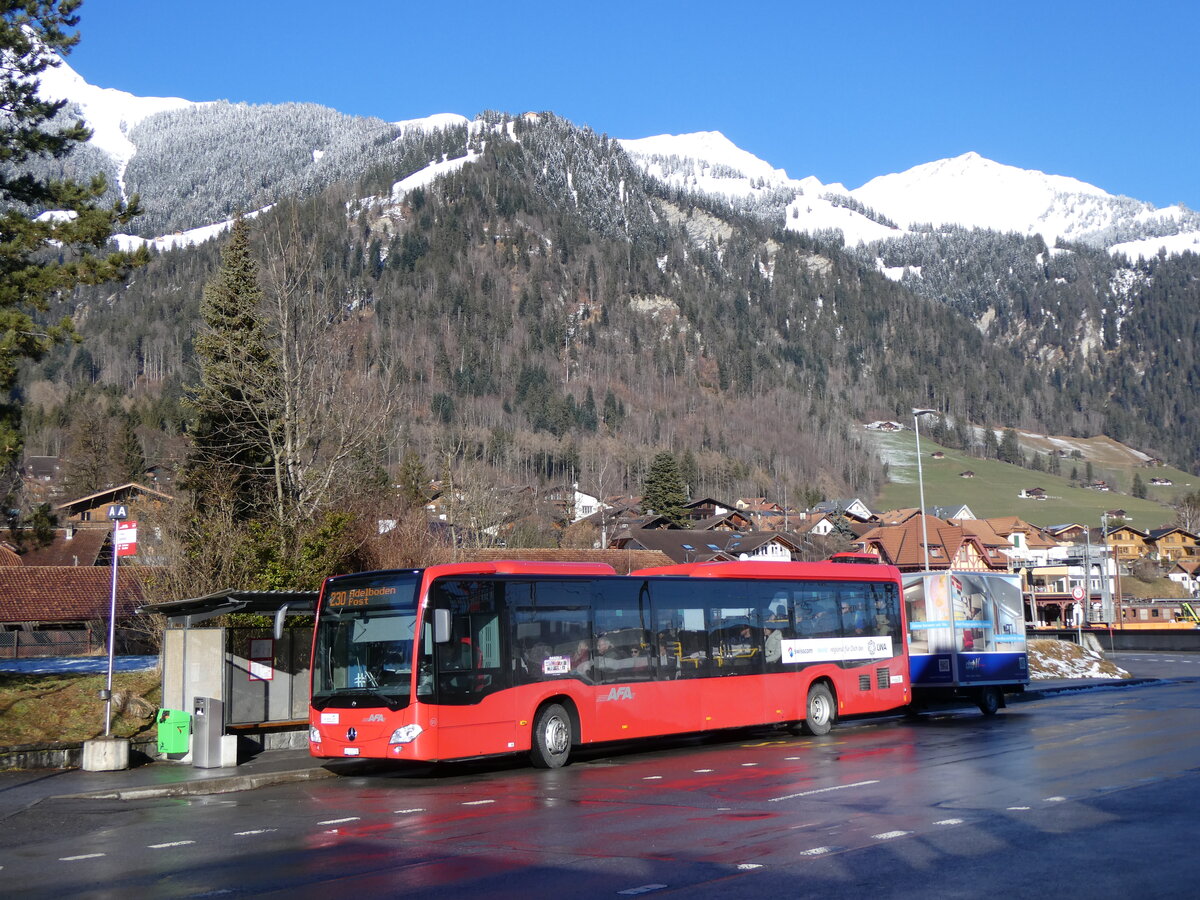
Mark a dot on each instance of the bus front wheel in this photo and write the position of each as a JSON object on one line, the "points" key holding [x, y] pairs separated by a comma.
{"points": [[551, 737], [820, 711]]}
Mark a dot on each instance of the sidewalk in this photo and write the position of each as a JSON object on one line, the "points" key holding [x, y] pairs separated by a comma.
{"points": [[19, 790], [22, 789]]}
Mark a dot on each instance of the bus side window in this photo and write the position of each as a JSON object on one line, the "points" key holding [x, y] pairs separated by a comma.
{"points": [[680, 638], [817, 611], [623, 647], [550, 643]]}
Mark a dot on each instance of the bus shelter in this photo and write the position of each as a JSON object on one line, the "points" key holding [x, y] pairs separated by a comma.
{"points": [[258, 671]]}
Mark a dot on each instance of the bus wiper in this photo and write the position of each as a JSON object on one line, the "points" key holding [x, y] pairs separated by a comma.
{"points": [[323, 700], [390, 702]]}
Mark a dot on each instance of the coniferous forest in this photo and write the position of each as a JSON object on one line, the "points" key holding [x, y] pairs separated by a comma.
{"points": [[546, 313]]}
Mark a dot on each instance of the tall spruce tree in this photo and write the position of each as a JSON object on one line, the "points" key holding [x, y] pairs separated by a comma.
{"points": [[42, 256], [231, 459], [663, 491]]}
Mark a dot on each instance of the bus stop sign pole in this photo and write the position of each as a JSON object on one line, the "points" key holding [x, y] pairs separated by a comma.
{"points": [[117, 513]]}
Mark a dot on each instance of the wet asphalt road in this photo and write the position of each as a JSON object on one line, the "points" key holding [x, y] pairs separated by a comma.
{"points": [[1086, 794]]}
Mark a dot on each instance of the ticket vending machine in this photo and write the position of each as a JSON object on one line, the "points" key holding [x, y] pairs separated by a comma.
{"points": [[208, 726]]}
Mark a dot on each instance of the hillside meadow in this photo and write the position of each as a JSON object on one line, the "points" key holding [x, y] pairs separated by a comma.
{"points": [[995, 489]]}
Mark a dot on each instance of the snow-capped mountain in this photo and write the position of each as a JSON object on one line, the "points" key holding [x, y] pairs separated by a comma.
{"points": [[967, 191], [110, 113]]}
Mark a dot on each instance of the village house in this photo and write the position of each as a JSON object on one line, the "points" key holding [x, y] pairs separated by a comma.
{"points": [[962, 511], [1128, 543], [1067, 533], [950, 546], [851, 508], [1171, 544], [91, 511], [691, 545], [63, 610], [1186, 573]]}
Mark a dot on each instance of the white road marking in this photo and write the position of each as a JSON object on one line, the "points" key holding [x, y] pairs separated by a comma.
{"points": [[255, 831], [401, 812], [1018, 807], [888, 835], [949, 822], [652, 778], [340, 821], [815, 851], [701, 771], [749, 866], [1055, 799], [744, 765], [170, 844], [644, 889], [836, 787], [84, 856], [478, 802]]}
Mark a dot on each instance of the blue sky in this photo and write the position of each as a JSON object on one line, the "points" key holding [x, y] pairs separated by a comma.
{"points": [[1102, 91]]}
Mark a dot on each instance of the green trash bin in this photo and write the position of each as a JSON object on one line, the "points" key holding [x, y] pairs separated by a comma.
{"points": [[174, 729]]}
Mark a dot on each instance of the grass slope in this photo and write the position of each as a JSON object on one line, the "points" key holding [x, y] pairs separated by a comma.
{"points": [[995, 488], [37, 709]]}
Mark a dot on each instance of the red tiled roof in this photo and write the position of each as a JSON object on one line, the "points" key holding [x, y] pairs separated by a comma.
{"points": [[902, 545], [81, 550], [65, 593]]}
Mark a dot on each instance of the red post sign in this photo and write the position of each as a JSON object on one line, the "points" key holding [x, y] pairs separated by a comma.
{"points": [[126, 538]]}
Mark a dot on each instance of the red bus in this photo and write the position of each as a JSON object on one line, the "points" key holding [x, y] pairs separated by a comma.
{"points": [[479, 659]]}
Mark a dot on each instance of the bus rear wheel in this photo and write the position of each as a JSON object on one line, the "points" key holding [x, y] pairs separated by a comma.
{"points": [[551, 737], [820, 711]]}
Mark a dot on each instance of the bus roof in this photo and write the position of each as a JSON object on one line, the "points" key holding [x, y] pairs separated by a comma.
{"points": [[495, 567], [520, 567], [779, 570]]}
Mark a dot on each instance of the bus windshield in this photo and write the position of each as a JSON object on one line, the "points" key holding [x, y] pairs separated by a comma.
{"points": [[364, 642]]}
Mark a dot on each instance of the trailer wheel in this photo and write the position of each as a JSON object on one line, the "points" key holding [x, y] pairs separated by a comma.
{"points": [[990, 700], [820, 711], [551, 737]]}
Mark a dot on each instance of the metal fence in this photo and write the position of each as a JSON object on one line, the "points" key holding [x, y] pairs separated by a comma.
{"points": [[29, 644]]}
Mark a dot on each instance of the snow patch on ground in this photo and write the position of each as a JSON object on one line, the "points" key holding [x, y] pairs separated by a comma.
{"points": [[1063, 659], [189, 238]]}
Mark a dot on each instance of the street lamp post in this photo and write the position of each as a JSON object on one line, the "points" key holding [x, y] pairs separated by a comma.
{"points": [[916, 414], [117, 513]]}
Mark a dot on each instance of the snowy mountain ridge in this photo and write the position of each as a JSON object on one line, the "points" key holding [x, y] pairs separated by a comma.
{"points": [[968, 191]]}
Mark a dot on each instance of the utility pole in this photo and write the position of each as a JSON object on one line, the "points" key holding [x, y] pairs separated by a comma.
{"points": [[917, 413]]}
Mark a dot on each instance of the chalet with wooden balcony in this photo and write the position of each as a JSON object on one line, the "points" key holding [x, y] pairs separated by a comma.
{"points": [[1172, 544], [1128, 543]]}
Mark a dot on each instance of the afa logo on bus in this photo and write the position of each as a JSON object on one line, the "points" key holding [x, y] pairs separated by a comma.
{"points": [[618, 693]]}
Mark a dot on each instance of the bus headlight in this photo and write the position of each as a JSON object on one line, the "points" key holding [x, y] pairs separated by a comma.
{"points": [[314, 734], [405, 735]]}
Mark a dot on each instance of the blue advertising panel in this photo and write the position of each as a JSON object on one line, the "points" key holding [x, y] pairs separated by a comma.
{"points": [[965, 628]]}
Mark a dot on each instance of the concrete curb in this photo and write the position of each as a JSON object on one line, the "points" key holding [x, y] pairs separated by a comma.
{"points": [[1037, 693], [219, 785]]}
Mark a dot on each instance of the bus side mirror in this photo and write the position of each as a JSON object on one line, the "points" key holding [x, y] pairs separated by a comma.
{"points": [[441, 626]]}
